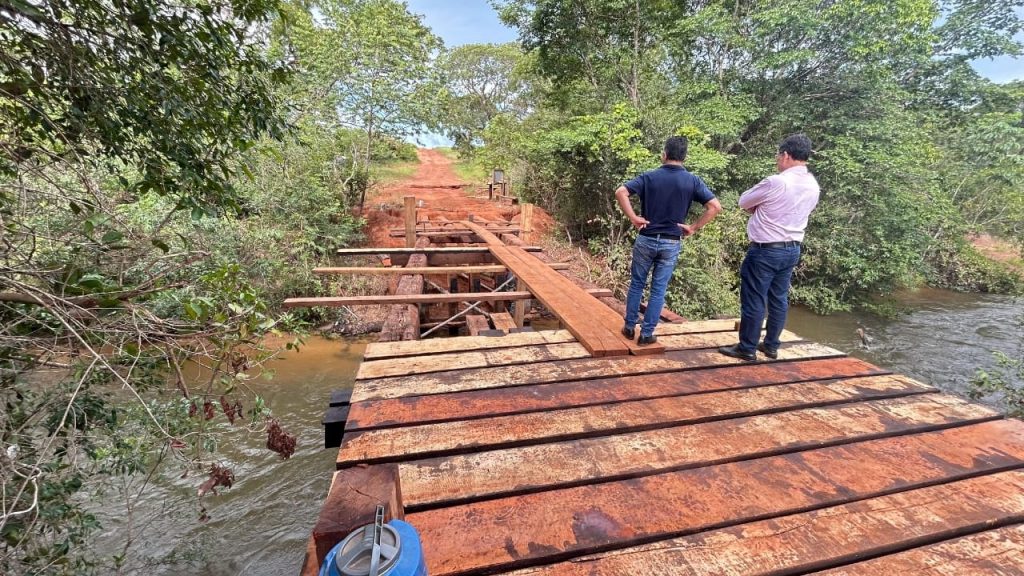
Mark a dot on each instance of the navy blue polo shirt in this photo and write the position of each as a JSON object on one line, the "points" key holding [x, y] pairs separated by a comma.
{"points": [[665, 197]]}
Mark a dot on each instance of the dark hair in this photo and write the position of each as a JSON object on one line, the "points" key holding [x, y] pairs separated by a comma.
{"points": [[798, 146], [675, 148]]}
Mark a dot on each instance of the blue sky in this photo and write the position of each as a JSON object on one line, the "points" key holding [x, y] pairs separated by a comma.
{"points": [[474, 21]]}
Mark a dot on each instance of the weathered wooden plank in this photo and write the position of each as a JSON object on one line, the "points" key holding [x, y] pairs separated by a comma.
{"points": [[562, 371], [475, 359], [442, 481], [503, 321], [579, 313], [352, 501], [505, 401], [454, 231], [432, 250], [538, 528], [336, 301], [392, 270], [419, 365], [410, 442], [997, 552], [562, 297], [382, 350], [828, 537]]}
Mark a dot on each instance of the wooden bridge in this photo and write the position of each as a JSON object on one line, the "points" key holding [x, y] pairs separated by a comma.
{"points": [[573, 451]]}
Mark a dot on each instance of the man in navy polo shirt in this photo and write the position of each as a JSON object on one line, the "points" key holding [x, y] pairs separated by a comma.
{"points": [[665, 198]]}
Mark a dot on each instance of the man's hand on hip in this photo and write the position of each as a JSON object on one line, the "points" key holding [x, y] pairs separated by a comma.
{"points": [[686, 230], [639, 222]]}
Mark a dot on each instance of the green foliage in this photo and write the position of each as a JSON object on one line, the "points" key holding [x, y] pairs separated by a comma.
{"points": [[482, 81], [913, 149]]}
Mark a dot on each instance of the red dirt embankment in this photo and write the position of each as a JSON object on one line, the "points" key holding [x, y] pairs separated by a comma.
{"points": [[439, 193]]}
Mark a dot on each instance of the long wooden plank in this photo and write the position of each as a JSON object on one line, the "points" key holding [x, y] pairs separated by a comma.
{"points": [[381, 350], [442, 481], [520, 400], [549, 526], [997, 552], [392, 270], [607, 319], [562, 371], [566, 300], [336, 301], [433, 231], [475, 359], [827, 537], [403, 444], [434, 250], [579, 312], [524, 355]]}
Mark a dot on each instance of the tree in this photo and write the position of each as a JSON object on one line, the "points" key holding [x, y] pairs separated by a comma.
{"points": [[482, 81], [883, 88], [121, 128]]}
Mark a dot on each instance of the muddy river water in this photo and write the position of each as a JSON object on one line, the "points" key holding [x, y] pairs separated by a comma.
{"points": [[260, 526]]}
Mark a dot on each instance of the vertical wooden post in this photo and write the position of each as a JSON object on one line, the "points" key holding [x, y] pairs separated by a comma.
{"points": [[410, 221], [519, 314], [526, 222]]}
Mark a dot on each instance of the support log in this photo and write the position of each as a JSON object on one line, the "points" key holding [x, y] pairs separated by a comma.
{"points": [[403, 321]]}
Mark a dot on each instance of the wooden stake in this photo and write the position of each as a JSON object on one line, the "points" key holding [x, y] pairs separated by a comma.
{"points": [[526, 222], [410, 221]]}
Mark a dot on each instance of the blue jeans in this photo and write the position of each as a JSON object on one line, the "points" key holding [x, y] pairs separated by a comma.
{"points": [[657, 254], [764, 277]]}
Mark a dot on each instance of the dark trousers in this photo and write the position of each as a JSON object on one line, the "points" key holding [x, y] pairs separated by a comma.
{"points": [[765, 276]]}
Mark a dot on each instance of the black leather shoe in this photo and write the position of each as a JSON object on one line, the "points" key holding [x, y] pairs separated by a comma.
{"points": [[772, 353], [628, 332], [735, 352], [645, 340]]}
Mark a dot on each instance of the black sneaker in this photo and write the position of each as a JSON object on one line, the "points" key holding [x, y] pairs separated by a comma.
{"points": [[645, 340], [628, 332], [772, 353], [735, 352]]}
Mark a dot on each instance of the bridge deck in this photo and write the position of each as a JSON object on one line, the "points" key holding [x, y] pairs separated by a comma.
{"points": [[525, 455]]}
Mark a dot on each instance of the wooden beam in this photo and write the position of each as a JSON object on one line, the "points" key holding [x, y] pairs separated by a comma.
{"points": [[526, 222], [421, 365], [612, 420], [371, 270], [431, 250], [410, 221], [497, 535], [997, 552], [337, 301], [453, 231], [566, 370], [352, 501], [811, 541], [493, 402], [823, 418]]}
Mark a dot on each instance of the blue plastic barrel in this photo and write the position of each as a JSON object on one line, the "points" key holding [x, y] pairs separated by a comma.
{"points": [[402, 551]]}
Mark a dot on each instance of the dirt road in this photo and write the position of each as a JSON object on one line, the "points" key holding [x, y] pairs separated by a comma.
{"points": [[439, 193]]}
